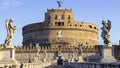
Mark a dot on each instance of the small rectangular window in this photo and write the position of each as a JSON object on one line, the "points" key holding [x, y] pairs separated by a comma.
{"points": [[68, 16], [56, 24], [59, 23], [56, 17], [62, 23], [62, 17]]}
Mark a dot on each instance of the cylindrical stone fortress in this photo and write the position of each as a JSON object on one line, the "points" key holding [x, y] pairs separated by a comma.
{"points": [[60, 28]]}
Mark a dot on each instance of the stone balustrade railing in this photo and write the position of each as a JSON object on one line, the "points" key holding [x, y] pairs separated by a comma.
{"points": [[28, 65], [9, 66], [94, 65], [35, 65]]}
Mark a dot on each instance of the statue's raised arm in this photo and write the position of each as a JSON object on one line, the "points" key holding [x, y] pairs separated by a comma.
{"points": [[109, 25]]}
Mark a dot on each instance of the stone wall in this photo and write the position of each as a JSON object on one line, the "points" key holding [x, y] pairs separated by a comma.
{"points": [[116, 52], [28, 53]]}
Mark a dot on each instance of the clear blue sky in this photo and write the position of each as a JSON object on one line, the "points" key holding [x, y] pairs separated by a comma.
{"points": [[30, 11]]}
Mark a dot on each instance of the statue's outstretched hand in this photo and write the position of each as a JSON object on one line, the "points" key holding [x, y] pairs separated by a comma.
{"points": [[15, 27]]}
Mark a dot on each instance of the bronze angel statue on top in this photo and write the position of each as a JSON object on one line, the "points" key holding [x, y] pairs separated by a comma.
{"points": [[59, 4], [105, 31]]}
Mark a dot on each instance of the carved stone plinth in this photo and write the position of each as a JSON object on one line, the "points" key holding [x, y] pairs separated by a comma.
{"points": [[108, 54], [7, 56], [44, 60], [81, 59], [72, 60]]}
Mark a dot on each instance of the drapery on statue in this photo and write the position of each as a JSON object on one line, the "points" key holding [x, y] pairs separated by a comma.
{"points": [[10, 32], [105, 31], [59, 4]]}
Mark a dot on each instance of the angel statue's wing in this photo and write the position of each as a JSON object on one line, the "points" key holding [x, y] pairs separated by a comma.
{"points": [[109, 24], [58, 2], [7, 28]]}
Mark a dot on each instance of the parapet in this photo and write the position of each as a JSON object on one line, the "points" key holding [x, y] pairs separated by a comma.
{"points": [[56, 48]]}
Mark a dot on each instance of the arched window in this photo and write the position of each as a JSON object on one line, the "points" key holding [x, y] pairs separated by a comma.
{"points": [[80, 25], [75, 24], [90, 26], [95, 28]]}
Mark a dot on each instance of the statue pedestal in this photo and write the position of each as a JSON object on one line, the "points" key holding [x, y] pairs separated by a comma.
{"points": [[44, 60], [81, 59], [37, 60], [7, 56], [72, 60], [108, 54]]}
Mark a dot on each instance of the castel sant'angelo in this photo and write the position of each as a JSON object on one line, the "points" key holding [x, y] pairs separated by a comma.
{"points": [[60, 29], [62, 40], [59, 35]]}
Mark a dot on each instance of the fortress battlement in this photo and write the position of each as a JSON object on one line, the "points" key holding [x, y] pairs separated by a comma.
{"points": [[57, 48]]}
